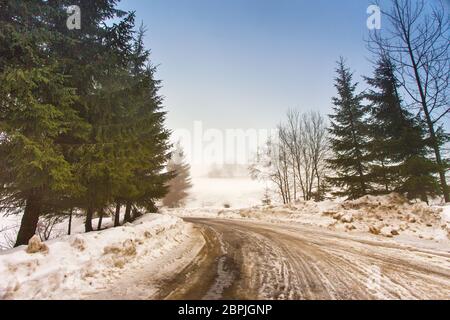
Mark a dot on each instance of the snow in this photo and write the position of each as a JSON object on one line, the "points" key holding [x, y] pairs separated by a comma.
{"points": [[235, 192], [10, 224], [80, 265], [391, 217], [446, 213], [112, 263]]}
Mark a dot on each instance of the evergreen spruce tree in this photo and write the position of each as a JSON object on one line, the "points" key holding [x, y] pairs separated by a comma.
{"points": [[179, 185], [398, 147], [349, 138], [95, 64], [81, 121], [148, 147], [35, 110], [122, 159]]}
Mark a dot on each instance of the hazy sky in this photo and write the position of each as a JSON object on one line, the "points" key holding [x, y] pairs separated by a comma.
{"points": [[243, 63], [240, 64]]}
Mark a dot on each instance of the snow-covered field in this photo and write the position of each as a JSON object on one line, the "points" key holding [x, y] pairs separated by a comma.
{"points": [[74, 267], [237, 193]]}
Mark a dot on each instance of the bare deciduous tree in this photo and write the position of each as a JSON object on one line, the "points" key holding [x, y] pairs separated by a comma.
{"points": [[270, 165], [8, 236], [315, 131], [46, 227], [295, 162], [417, 40]]}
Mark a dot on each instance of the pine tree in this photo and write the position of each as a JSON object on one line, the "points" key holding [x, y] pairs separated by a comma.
{"points": [[179, 185], [81, 121], [148, 142], [398, 148], [348, 138], [35, 110], [96, 64], [122, 160]]}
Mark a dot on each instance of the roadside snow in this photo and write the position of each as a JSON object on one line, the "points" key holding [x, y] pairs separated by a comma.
{"points": [[390, 216], [80, 265], [446, 213], [10, 224]]}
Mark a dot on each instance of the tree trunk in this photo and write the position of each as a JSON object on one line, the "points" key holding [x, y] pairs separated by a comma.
{"points": [[88, 222], [295, 182], [117, 215], [430, 124], [437, 152], [319, 191], [127, 217], [445, 188], [100, 220], [30, 220], [424, 198], [386, 182], [134, 214], [69, 231]]}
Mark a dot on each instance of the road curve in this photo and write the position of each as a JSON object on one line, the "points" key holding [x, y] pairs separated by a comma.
{"points": [[247, 260]]}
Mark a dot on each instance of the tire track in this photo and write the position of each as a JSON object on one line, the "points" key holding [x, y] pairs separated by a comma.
{"points": [[247, 260]]}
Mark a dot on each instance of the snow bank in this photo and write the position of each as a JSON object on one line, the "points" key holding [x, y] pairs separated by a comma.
{"points": [[74, 266], [446, 213], [390, 216], [10, 225]]}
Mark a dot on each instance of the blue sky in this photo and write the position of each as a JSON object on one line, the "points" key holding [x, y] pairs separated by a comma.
{"points": [[244, 63]]}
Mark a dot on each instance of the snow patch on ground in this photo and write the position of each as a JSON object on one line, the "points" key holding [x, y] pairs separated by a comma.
{"points": [[80, 265]]}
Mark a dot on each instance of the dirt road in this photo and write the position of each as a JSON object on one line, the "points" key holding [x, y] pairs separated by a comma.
{"points": [[245, 260]]}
